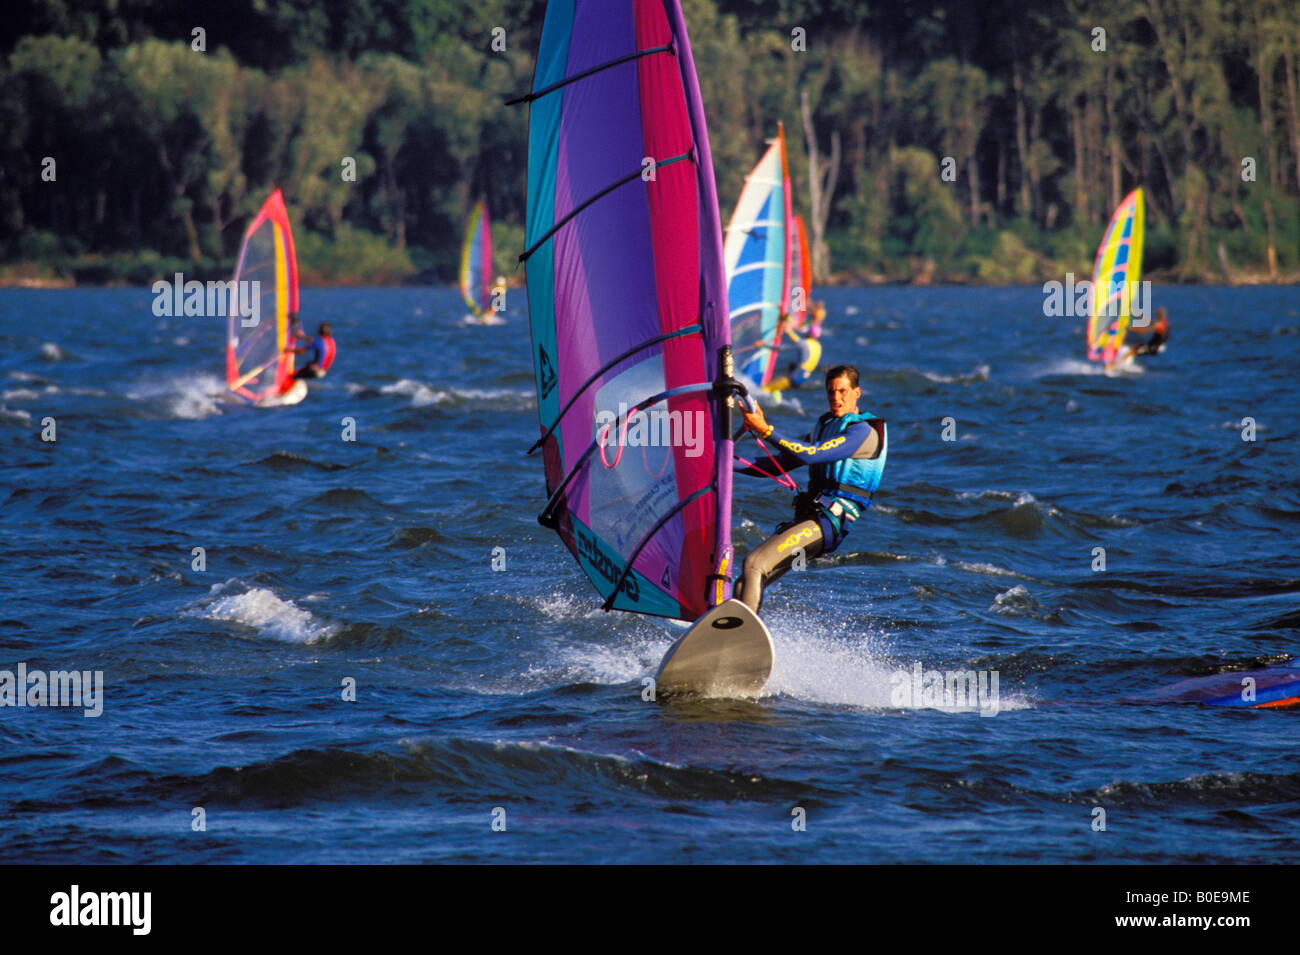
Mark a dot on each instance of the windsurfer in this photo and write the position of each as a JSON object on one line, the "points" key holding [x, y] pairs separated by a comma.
{"points": [[1159, 336], [818, 316], [846, 454], [807, 356], [322, 352]]}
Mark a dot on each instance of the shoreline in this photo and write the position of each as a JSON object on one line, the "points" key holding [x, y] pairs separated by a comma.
{"points": [[31, 278]]}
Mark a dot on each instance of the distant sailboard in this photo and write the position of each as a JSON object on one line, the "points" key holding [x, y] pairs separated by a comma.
{"points": [[757, 257], [628, 312], [806, 350], [259, 356], [476, 265], [1115, 274]]}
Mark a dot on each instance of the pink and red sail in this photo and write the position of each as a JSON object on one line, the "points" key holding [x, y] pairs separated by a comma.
{"points": [[800, 276], [627, 306], [259, 348]]}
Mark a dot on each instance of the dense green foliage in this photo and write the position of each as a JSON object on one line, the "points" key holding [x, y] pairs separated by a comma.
{"points": [[980, 141]]}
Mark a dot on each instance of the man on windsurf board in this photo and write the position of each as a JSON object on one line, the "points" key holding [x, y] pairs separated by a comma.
{"points": [[322, 353], [808, 355], [1156, 343], [845, 453]]}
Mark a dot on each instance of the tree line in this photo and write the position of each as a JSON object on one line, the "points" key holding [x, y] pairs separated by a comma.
{"points": [[930, 139]]}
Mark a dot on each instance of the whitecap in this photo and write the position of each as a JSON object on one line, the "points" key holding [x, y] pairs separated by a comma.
{"points": [[190, 397], [271, 616]]}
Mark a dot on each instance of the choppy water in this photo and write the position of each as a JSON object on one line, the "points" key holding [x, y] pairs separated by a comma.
{"points": [[371, 560]]}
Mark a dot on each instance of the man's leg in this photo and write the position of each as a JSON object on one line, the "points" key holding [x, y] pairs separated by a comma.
{"points": [[772, 558]]}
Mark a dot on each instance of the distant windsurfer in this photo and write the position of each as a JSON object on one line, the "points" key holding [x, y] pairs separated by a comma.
{"points": [[1159, 336], [845, 454], [322, 352], [808, 356], [818, 316]]}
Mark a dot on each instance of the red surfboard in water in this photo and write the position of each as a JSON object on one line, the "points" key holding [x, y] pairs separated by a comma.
{"points": [[1271, 688]]}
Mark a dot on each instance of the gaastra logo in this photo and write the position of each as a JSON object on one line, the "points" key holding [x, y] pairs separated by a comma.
{"points": [[605, 566], [794, 539]]}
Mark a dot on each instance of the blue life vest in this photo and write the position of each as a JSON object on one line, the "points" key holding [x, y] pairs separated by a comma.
{"points": [[852, 478]]}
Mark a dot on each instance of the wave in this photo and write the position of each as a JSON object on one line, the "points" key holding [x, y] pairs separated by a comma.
{"points": [[1071, 366], [824, 661], [288, 461], [262, 610], [991, 570], [187, 397], [463, 770], [1024, 518], [918, 380], [817, 660], [1017, 600], [1225, 790], [978, 373], [423, 395]]}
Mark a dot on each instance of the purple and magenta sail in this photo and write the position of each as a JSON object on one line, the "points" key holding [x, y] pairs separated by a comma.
{"points": [[627, 306]]}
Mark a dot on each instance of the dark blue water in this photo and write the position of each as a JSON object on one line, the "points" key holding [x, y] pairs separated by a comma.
{"points": [[370, 560]]}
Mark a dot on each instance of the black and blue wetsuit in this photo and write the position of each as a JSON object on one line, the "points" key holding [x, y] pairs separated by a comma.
{"points": [[842, 477]]}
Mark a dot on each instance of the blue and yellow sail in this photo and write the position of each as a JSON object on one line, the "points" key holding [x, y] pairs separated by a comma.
{"points": [[757, 256], [476, 260], [1115, 275]]}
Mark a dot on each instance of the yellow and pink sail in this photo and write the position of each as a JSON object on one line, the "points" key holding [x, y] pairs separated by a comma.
{"points": [[1115, 274], [259, 356], [628, 307]]}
